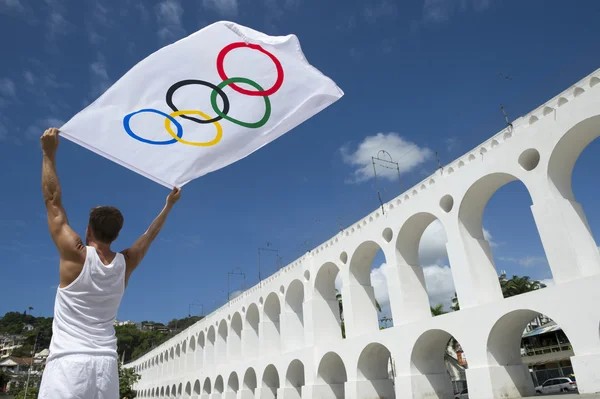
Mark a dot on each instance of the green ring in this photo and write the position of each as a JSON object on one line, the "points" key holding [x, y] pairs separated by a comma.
{"points": [[213, 102]]}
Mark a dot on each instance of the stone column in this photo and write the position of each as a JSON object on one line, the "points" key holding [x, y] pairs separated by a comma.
{"points": [[360, 314], [566, 236], [406, 287], [473, 269]]}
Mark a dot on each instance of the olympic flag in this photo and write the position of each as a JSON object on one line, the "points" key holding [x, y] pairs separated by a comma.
{"points": [[202, 103]]}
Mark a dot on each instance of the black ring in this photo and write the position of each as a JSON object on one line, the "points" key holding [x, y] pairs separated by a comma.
{"points": [[177, 85]]}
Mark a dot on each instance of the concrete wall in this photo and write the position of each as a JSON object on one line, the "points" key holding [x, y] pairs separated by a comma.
{"points": [[282, 338]]}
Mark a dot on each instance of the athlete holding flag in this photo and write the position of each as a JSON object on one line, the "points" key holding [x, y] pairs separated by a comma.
{"points": [[82, 363]]}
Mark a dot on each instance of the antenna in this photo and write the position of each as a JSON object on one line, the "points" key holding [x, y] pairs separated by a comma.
{"points": [[384, 164], [438, 161], [264, 249], [508, 123]]}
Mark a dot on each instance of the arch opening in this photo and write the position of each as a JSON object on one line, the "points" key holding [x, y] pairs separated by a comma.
{"points": [[219, 386], [207, 388], [294, 316], [375, 372], [425, 271], [438, 366], [331, 377], [573, 164], [221, 344], [250, 381], [294, 380], [368, 288], [250, 331], [327, 305], [235, 337], [271, 323], [270, 383], [517, 343], [233, 383], [197, 387], [505, 203]]}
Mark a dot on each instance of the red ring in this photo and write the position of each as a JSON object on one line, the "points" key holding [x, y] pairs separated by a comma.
{"points": [[263, 93]]}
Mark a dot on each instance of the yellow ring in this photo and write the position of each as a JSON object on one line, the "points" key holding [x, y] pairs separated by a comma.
{"points": [[194, 143]]}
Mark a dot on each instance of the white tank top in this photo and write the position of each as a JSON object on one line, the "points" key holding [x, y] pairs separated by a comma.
{"points": [[85, 310]]}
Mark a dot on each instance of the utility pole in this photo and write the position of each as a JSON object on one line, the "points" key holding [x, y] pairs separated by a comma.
{"points": [[382, 163], [37, 336], [233, 272], [264, 249]]}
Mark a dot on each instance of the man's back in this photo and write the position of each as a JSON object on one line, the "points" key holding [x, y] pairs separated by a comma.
{"points": [[83, 351], [85, 310]]}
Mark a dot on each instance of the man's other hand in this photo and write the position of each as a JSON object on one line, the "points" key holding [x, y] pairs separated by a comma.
{"points": [[49, 141], [174, 196]]}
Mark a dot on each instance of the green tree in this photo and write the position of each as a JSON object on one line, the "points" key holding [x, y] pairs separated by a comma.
{"points": [[520, 285], [127, 378], [455, 306], [437, 310], [32, 393], [510, 287]]}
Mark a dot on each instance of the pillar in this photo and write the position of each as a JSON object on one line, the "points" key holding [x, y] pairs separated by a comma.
{"points": [[566, 236]]}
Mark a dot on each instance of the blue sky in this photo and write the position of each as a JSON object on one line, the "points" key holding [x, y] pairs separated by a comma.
{"points": [[423, 75]]}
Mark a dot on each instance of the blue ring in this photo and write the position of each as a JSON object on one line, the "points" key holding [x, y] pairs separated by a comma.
{"points": [[143, 140]]}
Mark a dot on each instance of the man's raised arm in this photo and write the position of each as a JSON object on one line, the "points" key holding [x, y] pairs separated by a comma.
{"points": [[137, 251], [68, 243]]}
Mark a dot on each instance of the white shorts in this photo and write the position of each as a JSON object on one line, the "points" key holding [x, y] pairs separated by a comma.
{"points": [[80, 377]]}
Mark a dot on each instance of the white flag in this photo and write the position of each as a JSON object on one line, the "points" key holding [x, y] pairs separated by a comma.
{"points": [[202, 103]]}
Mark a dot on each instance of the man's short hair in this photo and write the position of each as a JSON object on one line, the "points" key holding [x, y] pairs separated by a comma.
{"points": [[105, 223]]}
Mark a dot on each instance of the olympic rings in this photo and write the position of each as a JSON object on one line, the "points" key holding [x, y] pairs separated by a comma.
{"points": [[194, 143], [263, 93], [213, 102], [143, 140], [216, 89]]}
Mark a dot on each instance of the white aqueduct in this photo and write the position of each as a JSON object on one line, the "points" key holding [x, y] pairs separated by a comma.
{"points": [[282, 337]]}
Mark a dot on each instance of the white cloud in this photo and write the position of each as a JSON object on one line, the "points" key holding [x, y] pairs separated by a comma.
{"points": [[224, 7], [29, 77], [35, 131], [408, 155], [235, 294], [57, 24], [168, 16], [11, 7], [526, 261], [440, 285], [100, 78], [443, 10], [451, 143], [7, 88], [383, 8]]}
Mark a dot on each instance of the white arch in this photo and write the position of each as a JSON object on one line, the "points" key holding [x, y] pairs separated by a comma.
{"points": [[374, 372], [271, 327], [325, 305], [331, 377], [250, 332], [270, 383], [293, 321]]}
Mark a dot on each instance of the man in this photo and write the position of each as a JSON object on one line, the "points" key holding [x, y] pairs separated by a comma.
{"points": [[82, 363]]}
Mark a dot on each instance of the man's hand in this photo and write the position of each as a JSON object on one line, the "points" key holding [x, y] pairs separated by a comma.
{"points": [[49, 141], [174, 196]]}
